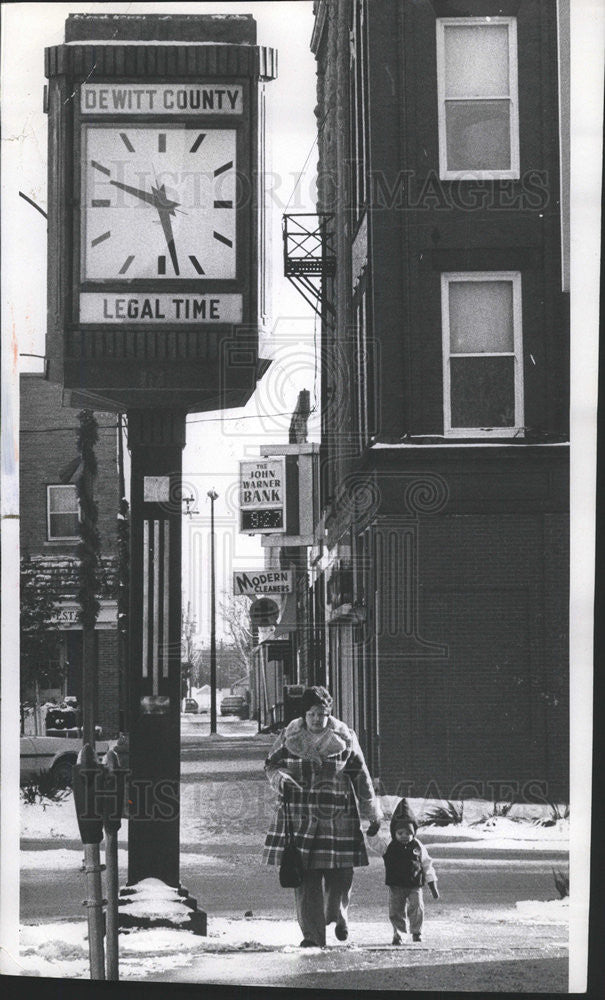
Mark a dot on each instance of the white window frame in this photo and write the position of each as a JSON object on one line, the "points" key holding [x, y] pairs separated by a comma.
{"points": [[60, 538], [513, 97], [517, 430]]}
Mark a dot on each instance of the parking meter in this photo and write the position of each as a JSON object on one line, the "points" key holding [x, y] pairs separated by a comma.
{"points": [[88, 795], [113, 799]]}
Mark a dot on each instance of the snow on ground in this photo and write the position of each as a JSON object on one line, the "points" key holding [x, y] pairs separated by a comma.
{"points": [[246, 814], [543, 911], [61, 859], [61, 949]]}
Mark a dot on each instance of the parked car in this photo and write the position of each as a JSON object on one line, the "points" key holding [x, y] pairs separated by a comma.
{"points": [[56, 754], [235, 704], [190, 706]]}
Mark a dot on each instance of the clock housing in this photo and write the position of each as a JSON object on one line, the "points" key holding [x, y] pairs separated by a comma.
{"points": [[156, 279]]}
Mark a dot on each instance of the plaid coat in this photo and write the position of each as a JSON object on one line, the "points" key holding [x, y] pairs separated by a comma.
{"points": [[326, 812]]}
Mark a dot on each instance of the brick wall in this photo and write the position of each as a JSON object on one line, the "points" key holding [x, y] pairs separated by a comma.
{"points": [[47, 445], [494, 708]]}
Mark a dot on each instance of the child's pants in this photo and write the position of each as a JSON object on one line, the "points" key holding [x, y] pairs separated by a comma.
{"points": [[312, 916], [402, 899]]}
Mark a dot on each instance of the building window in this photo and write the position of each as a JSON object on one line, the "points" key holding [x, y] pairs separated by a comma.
{"points": [[477, 94], [63, 513], [358, 98], [482, 354]]}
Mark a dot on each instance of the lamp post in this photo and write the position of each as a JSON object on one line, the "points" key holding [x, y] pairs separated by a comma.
{"points": [[213, 496]]}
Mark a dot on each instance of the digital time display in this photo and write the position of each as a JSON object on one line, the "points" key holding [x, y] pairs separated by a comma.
{"points": [[263, 520]]}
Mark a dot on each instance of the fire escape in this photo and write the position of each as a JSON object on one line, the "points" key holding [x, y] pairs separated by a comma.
{"points": [[309, 256]]}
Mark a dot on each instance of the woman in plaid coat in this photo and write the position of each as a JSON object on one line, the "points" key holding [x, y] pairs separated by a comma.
{"points": [[317, 762]]}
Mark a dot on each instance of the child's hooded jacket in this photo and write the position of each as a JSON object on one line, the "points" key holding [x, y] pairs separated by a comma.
{"points": [[407, 865]]}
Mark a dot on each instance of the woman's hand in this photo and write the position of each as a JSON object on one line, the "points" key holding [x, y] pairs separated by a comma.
{"points": [[373, 828], [287, 778]]}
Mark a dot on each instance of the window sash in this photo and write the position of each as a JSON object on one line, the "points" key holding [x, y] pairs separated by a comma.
{"points": [[447, 98], [516, 428], [57, 514]]}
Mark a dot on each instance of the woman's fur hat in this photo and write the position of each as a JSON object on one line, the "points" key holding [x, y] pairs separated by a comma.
{"points": [[402, 814]]}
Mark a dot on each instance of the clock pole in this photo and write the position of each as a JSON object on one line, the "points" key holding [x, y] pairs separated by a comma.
{"points": [[156, 439]]}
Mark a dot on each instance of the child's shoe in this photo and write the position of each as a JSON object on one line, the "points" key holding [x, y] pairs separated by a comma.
{"points": [[416, 937], [396, 938]]}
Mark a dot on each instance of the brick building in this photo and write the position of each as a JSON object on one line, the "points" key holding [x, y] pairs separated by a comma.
{"points": [[49, 532], [440, 574]]}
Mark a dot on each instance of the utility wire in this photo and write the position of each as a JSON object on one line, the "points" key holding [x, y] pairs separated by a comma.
{"points": [[314, 143]]}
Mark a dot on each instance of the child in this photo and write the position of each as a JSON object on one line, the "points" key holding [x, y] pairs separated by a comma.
{"points": [[408, 867]]}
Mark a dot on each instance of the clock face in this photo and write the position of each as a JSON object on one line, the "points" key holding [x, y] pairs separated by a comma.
{"points": [[158, 201]]}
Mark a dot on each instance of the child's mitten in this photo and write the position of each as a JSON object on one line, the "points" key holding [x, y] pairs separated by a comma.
{"points": [[373, 828], [434, 890]]}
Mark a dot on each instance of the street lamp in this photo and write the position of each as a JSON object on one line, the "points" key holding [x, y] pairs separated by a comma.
{"points": [[213, 496]]}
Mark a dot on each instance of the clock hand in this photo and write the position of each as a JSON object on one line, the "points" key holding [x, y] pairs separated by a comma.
{"points": [[169, 236], [151, 197], [165, 208]]}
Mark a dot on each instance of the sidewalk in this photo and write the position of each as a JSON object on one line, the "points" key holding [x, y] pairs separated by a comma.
{"points": [[497, 927], [499, 949]]}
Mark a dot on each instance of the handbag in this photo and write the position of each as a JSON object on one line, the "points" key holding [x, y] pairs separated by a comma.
{"points": [[291, 868]]}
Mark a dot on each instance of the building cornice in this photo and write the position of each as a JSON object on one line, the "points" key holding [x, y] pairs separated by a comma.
{"points": [[321, 18]]}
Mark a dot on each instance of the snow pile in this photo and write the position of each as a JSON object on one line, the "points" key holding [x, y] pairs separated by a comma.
{"points": [[152, 903], [543, 911]]}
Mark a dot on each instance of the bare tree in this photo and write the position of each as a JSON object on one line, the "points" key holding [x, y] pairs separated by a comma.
{"points": [[236, 626]]}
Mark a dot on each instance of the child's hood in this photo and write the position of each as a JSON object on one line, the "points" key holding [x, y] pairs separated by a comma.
{"points": [[403, 813]]}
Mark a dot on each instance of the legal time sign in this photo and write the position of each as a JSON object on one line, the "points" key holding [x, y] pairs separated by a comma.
{"points": [[98, 307]]}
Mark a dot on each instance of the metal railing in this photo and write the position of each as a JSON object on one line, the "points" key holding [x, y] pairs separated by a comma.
{"points": [[309, 255]]}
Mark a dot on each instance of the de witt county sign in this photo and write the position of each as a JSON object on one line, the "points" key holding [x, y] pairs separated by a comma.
{"points": [[263, 581]]}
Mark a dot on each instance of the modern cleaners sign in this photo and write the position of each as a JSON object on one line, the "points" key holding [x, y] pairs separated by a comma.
{"points": [[262, 581], [262, 496]]}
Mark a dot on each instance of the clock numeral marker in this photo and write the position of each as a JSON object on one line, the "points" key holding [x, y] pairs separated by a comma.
{"points": [[126, 264], [99, 239], [198, 142], [98, 166], [162, 142], [225, 166], [196, 264], [100, 203], [161, 265], [223, 239], [223, 204], [127, 142]]}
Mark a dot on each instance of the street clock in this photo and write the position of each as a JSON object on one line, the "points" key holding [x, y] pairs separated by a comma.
{"points": [[156, 257]]}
